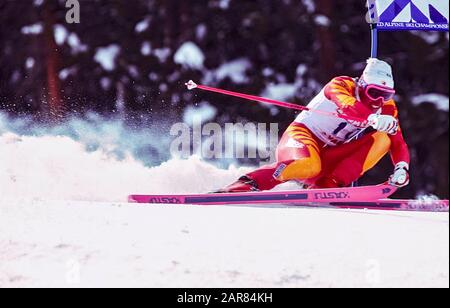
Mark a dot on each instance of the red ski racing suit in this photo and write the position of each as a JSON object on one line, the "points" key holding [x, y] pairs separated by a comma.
{"points": [[322, 151]]}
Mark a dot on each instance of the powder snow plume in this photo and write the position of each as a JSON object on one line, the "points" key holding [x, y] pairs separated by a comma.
{"points": [[60, 168], [97, 160]]}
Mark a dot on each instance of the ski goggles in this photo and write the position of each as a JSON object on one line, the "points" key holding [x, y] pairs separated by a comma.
{"points": [[375, 92]]}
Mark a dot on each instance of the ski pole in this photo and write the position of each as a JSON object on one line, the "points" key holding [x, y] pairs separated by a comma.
{"points": [[192, 85]]}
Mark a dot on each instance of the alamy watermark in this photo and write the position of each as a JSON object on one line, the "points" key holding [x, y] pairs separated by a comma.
{"points": [[73, 13], [227, 141]]}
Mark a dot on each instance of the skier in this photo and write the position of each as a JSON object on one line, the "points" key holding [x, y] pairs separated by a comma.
{"points": [[323, 152]]}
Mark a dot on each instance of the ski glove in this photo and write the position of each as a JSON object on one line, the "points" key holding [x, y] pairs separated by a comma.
{"points": [[384, 123], [400, 178]]}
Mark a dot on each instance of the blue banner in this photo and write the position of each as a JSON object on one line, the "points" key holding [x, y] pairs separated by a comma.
{"points": [[396, 15]]}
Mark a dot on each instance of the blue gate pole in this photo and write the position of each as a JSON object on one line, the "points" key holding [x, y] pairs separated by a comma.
{"points": [[373, 54], [374, 48]]}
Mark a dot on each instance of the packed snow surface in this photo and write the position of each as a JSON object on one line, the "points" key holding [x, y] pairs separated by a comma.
{"points": [[87, 244], [64, 222]]}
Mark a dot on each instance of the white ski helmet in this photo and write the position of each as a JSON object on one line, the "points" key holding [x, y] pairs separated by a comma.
{"points": [[378, 72]]}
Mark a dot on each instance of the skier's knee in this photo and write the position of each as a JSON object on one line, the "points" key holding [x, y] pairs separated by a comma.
{"points": [[301, 169], [382, 140], [380, 147]]}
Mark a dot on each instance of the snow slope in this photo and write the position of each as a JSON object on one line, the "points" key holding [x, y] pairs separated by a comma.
{"points": [[63, 222], [76, 244]]}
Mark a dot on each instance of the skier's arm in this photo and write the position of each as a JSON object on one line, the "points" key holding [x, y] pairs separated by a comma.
{"points": [[401, 159], [399, 148], [341, 91]]}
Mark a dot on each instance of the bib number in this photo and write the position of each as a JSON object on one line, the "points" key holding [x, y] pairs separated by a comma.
{"points": [[341, 127]]}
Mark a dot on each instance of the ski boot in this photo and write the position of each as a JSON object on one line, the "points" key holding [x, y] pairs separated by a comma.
{"points": [[244, 184]]}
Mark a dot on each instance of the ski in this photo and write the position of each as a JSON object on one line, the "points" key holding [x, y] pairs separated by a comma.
{"points": [[387, 205], [349, 194]]}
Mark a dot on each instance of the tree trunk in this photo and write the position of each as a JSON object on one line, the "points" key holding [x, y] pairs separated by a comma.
{"points": [[326, 39], [52, 61]]}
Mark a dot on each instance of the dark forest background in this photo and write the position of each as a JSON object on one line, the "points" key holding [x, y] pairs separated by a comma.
{"points": [[304, 43]]}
